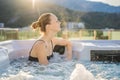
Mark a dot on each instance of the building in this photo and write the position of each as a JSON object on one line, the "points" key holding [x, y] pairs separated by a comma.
{"points": [[75, 25], [1, 25]]}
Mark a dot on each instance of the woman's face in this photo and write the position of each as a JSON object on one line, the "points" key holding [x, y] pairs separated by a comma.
{"points": [[54, 23]]}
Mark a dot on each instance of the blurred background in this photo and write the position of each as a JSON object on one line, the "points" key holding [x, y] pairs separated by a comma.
{"points": [[81, 19]]}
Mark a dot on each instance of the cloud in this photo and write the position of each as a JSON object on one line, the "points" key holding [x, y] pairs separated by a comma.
{"points": [[110, 2]]}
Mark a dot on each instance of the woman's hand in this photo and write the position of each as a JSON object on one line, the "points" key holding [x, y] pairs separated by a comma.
{"points": [[67, 44]]}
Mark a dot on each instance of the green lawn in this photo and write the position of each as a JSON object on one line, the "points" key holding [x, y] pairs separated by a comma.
{"points": [[115, 35]]}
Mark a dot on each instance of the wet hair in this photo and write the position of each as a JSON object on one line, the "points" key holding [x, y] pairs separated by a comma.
{"points": [[42, 21]]}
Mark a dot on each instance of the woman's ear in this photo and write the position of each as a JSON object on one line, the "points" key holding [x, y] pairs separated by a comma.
{"points": [[48, 27]]}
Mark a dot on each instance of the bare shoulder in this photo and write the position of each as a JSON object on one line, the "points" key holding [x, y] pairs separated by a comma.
{"points": [[41, 53], [40, 44], [40, 48]]}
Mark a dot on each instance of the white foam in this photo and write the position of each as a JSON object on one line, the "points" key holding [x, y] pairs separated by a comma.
{"points": [[21, 76], [81, 73]]}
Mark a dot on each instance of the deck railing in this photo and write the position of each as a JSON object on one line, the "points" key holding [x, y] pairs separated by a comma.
{"points": [[82, 34]]}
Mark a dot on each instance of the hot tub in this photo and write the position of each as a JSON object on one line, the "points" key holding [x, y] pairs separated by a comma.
{"points": [[19, 68], [86, 47]]}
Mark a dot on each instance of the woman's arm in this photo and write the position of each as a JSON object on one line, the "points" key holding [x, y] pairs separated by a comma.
{"points": [[67, 44], [41, 51]]}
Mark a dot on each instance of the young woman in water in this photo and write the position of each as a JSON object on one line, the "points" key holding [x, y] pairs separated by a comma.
{"points": [[42, 50]]}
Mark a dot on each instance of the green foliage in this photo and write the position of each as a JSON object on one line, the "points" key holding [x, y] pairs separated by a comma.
{"points": [[100, 35], [101, 20], [59, 34]]}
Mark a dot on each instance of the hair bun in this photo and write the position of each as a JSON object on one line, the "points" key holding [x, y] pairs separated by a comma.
{"points": [[34, 25]]}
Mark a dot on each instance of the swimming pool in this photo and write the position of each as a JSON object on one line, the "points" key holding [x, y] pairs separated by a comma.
{"points": [[58, 69]]}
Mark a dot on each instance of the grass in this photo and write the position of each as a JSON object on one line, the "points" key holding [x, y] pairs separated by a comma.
{"points": [[115, 35]]}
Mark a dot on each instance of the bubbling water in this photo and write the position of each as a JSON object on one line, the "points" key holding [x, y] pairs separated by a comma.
{"points": [[58, 69]]}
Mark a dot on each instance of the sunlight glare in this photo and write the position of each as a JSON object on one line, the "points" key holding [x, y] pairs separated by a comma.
{"points": [[33, 4]]}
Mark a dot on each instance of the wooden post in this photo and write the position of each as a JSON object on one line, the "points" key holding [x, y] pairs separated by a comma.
{"points": [[94, 34], [109, 34], [17, 33], [80, 33]]}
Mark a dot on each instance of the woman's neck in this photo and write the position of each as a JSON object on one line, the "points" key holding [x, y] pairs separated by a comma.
{"points": [[47, 36]]}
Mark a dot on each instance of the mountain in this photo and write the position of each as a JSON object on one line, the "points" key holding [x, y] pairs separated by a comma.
{"points": [[15, 13], [20, 13], [87, 6]]}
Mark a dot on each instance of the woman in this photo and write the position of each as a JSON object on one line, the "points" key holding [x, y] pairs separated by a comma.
{"points": [[42, 49]]}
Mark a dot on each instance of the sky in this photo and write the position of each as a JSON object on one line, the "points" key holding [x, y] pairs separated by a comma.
{"points": [[110, 2]]}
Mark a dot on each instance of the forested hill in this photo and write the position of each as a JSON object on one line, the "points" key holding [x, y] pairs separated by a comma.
{"points": [[86, 5], [20, 13]]}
